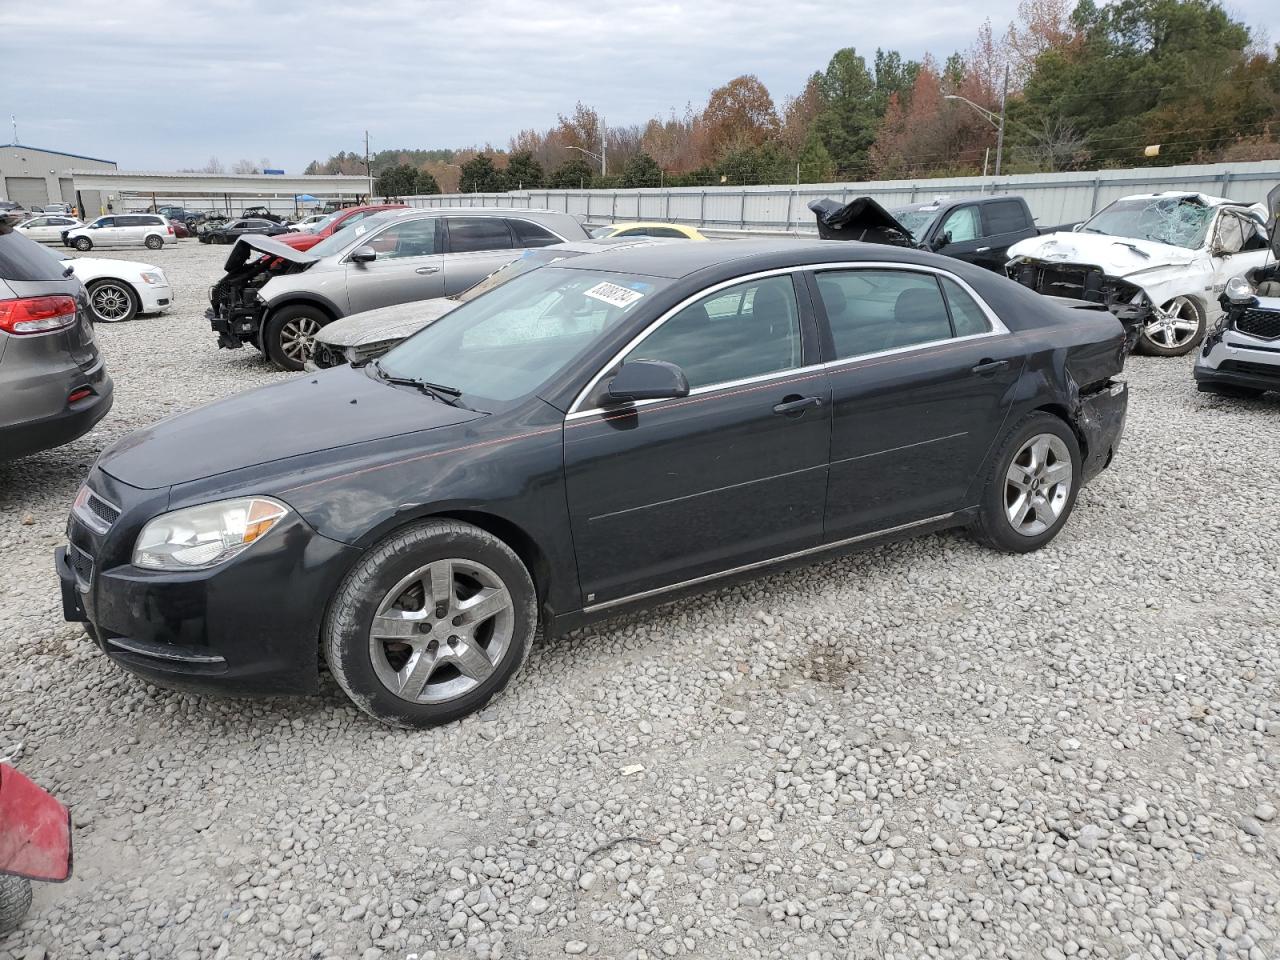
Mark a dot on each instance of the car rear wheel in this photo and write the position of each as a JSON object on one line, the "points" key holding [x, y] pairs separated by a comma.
{"points": [[1032, 486], [154, 242], [112, 301], [82, 244], [289, 333], [431, 624], [1173, 329]]}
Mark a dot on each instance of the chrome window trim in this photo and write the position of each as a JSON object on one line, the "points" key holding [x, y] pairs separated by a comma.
{"points": [[440, 213], [997, 329]]}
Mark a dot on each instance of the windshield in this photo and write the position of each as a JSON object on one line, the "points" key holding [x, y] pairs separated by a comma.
{"points": [[341, 239], [916, 221], [506, 345], [1180, 221]]}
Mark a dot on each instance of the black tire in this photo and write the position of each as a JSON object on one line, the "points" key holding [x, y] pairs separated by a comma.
{"points": [[1231, 391], [15, 901], [153, 242], [285, 336], [83, 244], [1188, 310], [349, 647], [993, 526], [112, 291]]}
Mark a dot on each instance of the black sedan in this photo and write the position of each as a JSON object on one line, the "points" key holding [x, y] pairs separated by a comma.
{"points": [[231, 230], [609, 431]]}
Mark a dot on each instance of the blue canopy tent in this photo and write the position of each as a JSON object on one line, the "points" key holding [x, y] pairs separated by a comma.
{"points": [[303, 198]]}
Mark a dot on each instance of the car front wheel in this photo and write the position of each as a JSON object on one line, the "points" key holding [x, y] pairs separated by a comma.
{"points": [[83, 244], [431, 624], [1173, 329], [289, 333], [112, 301], [1032, 487]]}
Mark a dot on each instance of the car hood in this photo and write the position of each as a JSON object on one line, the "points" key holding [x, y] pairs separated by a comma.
{"points": [[1114, 256], [90, 268], [860, 219], [386, 323], [307, 414], [251, 243]]}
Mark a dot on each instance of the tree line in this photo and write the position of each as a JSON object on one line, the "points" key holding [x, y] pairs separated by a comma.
{"points": [[1131, 83]]}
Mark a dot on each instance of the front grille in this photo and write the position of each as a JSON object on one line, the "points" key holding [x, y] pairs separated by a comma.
{"points": [[326, 356], [103, 510], [80, 562], [1260, 323]]}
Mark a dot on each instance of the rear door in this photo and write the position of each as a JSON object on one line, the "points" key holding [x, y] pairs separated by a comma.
{"points": [[475, 247], [409, 266], [1004, 223], [921, 382]]}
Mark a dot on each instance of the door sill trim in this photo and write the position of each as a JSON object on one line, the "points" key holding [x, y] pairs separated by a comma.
{"points": [[707, 578]]}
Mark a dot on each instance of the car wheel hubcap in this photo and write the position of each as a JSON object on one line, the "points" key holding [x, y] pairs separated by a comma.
{"points": [[442, 631], [297, 336], [1173, 325], [1037, 485], [110, 303]]}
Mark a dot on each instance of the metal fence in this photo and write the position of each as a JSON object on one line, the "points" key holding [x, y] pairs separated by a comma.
{"points": [[1053, 197]]}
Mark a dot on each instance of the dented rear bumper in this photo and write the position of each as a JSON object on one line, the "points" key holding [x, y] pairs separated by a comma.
{"points": [[1100, 419]]}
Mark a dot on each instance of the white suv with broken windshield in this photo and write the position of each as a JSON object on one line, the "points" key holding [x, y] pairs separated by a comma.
{"points": [[1158, 261]]}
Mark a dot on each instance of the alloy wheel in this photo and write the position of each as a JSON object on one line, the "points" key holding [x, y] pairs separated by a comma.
{"points": [[1038, 485], [442, 631], [1174, 325], [111, 303], [296, 337]]}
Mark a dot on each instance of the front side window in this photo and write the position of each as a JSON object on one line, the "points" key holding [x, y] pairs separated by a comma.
{"points": [[105, 222], [1230, 236], [962, 224], [747, 330], [412, 238], [870, 311], [469, 234], [509, 342]]}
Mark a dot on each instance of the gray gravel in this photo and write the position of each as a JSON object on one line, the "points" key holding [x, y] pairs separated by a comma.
{"points": [[925, 750]]}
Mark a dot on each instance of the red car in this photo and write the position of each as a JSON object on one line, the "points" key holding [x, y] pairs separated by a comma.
{"points": [[336, 222]]}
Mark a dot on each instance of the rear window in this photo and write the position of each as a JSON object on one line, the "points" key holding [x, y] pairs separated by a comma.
{"points": [[531, 235], [21, 258], [1005, 216]]}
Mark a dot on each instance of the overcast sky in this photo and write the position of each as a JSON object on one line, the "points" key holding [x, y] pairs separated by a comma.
{"points": [[163, 84]]}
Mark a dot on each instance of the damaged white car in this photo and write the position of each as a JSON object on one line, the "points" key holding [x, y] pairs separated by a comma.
{"points": [[1157, 260]]}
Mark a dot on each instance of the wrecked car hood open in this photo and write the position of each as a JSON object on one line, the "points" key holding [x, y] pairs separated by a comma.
{"points": [[859, 219], [1114, 256], [247, 248]]}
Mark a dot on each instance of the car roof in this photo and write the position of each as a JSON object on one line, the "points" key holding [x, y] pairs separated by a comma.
{"points": [[476, 211], [677, 260]]}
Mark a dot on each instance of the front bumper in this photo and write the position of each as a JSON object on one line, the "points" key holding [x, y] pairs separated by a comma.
{"points": [[248, 627], [155, 298], [1101, 420], [1230, 360]]}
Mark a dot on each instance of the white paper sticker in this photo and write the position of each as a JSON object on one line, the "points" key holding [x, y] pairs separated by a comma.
{"points": [[613, 294]]}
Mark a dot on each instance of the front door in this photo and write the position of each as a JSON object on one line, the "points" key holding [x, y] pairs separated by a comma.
{"points": [[964, 227], [920, 392], [662, 492], [1239, 245], [409, 266]]}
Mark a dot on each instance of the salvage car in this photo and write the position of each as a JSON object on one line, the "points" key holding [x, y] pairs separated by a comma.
{"points": [[1241, 355], [668, 231], [362, 337], [119, 290], [1158, 261], [596, 435], [277, 298], [121, 230], [334, 222], [233, 230]]}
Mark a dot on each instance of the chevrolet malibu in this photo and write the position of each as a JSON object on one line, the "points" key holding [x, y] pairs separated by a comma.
{"points": [[616, 430]]}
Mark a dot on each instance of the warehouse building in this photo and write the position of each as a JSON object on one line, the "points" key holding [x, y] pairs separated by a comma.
{"points": [[33, 176]]}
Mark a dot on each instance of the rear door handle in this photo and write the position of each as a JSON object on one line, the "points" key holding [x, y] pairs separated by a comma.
{"points": [[796, 404], [982, 249], [990, 366], [425, 270]]}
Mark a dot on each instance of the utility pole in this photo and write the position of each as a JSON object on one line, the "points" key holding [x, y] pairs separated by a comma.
{"points": [[368, 167], [603, 149], [1004, 96], [14, 120]]}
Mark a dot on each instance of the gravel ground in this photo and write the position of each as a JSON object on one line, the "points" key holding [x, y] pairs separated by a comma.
{"points": [[925, 750]]}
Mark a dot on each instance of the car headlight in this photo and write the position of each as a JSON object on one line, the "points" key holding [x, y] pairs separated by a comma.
{"points": [[201, 537], [154, 277], [1239, 290]]}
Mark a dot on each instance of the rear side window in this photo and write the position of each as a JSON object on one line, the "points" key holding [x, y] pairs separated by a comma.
{"points": [[21, 258], [1004, 216], [875, 310], [966, 316], [478, 233], [531, 235]]}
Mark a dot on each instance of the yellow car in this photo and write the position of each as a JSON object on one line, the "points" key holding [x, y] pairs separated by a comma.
{"points": [[669, 230]]}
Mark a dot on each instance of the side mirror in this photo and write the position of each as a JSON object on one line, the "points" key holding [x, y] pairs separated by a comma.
{"points": [[364, 254], [648, 380], [1075, 228], [941, 241]]}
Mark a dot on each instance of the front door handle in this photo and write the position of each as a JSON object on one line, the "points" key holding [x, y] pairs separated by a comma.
{"points": [[796, 404], [426, 270], [990, 366]]}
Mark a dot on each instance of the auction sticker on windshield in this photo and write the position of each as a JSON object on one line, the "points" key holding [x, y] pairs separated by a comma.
{"points": [[613, 294]]}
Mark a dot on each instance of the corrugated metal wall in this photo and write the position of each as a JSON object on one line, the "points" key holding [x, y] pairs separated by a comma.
{"points": [[1053, 197]]}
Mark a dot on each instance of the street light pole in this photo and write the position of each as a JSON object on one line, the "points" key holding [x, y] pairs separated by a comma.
{"points": [[1004, 96]]}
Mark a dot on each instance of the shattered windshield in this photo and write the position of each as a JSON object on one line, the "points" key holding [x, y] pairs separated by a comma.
{"points": [[914, 219], [508, 272], [1180, 221]]}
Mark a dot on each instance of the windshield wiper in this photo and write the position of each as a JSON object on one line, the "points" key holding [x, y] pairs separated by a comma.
{"points": [[438, 391], [1140, 252]]}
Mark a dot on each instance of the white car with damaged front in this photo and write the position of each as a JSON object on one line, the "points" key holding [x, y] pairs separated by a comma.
{"points": [[119, 290], [1158, 261]]}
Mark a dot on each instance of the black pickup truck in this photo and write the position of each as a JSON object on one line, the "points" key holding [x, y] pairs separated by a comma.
{"points": [[977, 229]]}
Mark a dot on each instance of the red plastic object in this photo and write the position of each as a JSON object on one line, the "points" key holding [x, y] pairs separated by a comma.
{"points": [[35, 830]]}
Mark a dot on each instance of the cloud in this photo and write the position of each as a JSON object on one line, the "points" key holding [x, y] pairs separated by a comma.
{"points": [[156, 84]]}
